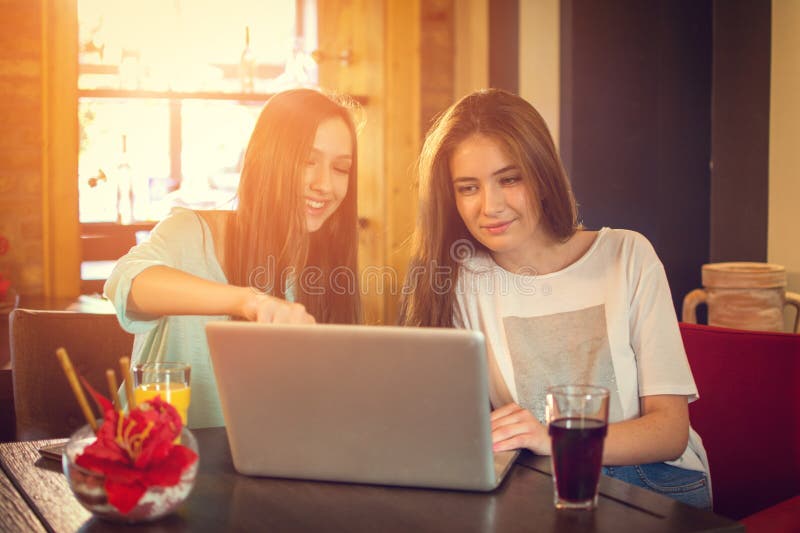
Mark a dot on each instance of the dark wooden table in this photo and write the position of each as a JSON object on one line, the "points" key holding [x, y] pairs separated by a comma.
{"points": [[34, 496]]}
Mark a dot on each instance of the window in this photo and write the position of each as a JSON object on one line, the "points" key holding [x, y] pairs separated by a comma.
{"points": [[168, 94], [165, 112]]}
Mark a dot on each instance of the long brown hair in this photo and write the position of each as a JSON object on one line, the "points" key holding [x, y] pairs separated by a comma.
{"points": [[441, 236], [267, 241]]}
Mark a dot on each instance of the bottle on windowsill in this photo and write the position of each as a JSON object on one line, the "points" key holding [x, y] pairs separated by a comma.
{"points": [[247, 65], [124, 181]]}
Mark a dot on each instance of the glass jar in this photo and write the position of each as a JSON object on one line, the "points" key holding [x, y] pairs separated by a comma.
{"points": [[89, 486]]}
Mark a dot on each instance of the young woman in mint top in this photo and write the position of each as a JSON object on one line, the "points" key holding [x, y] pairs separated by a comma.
{"points": [[295, 214], [498, 248]]}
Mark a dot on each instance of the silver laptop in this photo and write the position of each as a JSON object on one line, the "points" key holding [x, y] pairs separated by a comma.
{"points": [[366, 404]]}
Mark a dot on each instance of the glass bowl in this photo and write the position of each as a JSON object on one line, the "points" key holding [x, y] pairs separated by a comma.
{"points": [[89, 487]]}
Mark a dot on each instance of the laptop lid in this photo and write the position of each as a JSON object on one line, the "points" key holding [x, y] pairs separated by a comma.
{"points": [[370, 404]]}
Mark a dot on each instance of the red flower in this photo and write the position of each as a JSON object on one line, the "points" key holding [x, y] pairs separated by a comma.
{"points": [[136, 451], [5, 284]]}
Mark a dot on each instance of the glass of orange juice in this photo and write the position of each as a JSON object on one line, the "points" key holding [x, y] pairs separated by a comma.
{"points": [[171, 381]]}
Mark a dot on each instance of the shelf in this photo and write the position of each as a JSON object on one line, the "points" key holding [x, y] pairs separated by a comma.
{"points": [[186, 95], [173, 95], [105, 241], [104, 227]]}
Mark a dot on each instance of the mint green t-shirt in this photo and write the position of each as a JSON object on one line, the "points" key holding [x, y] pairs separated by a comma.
{"points": [[183, 241]]}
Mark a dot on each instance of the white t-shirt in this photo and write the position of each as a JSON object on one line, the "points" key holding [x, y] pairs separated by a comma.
{"points": [[606, 319]]}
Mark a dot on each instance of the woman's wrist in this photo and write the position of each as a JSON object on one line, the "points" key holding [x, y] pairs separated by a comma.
{"points": [[246, 302]]}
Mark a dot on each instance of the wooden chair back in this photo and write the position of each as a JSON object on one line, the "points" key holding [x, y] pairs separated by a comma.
{"points": [[44, 404]]}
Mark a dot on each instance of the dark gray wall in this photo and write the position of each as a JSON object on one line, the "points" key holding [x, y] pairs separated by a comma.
{"points": [[504, 45], [740, 130], [636, 123]]}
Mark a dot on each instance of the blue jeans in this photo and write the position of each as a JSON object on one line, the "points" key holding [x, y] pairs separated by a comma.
{"points": [[687, 486]]}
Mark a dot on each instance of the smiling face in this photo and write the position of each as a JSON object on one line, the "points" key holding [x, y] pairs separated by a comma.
{"points": [[493, 199], [327, 172]]}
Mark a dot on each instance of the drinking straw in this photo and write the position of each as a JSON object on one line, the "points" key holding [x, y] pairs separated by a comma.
{"points": [[125, 365], [112, 388], [66, 364]]}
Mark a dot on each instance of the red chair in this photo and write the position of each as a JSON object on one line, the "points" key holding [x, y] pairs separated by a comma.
{"points": [[748, 415], [783, 517]]}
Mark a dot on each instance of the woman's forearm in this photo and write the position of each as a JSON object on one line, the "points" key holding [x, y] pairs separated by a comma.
{"points": [[161, 290], [660, 434]]}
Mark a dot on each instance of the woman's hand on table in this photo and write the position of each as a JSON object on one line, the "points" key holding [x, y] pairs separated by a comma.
{"points": [[514, 427]]}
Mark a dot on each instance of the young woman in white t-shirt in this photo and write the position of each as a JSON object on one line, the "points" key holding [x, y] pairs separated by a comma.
{"points": [[498, 248]]}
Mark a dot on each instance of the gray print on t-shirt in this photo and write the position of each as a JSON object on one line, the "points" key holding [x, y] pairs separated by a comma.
{"points": [[565, 348]]}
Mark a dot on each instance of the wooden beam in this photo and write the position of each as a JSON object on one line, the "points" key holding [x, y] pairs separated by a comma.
{"points": [[357, 27], [60, 224], [402, 139], [471, 21]]}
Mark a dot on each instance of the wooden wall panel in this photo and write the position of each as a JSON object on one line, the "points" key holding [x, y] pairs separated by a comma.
{"points": [[471, 41], [437, 68], [358, 26], [402, 141], [60, 216], [38, 146], [21, 144], [385, 41]]}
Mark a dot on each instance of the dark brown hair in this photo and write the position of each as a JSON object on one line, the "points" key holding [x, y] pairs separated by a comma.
{"points": [[429, 298], [268, 236]]}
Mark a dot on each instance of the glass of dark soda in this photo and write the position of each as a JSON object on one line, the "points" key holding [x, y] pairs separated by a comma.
{"points": [[577, 420]]}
